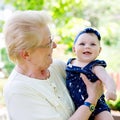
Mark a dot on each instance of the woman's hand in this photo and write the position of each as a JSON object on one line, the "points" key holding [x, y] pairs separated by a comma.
{"points": [[94, 90]]}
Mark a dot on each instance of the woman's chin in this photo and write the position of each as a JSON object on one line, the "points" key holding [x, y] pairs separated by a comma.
{"points": [[51, 61]]}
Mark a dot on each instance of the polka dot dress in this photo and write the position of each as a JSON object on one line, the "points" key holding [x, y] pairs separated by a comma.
{"points": [[77, 87]]}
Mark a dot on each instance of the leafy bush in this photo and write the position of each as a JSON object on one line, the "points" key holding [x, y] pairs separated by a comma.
{"points": [[8, 65], [115, 105], [2, 83]]}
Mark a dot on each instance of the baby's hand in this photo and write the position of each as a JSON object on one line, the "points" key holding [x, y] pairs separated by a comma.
{"points": [[110, 95]]}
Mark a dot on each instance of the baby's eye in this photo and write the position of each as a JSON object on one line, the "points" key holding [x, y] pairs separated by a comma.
{"points": [[93, 44], [81, 43]]}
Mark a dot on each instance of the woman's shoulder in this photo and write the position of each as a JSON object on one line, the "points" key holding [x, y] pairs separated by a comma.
{"points": [[58, 65]]}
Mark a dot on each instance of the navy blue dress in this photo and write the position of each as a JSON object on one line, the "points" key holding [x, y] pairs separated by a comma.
{"points": [[77, 87]]}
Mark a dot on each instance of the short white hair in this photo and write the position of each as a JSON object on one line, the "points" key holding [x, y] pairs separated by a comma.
{"points": [[21, 31]]}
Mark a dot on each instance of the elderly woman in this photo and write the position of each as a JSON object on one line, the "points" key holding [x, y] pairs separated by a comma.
{"points": [[36, 87]]}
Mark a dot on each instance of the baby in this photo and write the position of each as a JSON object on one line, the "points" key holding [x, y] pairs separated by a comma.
{"points": [[87, 48]]}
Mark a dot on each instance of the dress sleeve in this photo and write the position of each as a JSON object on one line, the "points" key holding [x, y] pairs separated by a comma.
{"points": [[99, 63], [88, 69]]}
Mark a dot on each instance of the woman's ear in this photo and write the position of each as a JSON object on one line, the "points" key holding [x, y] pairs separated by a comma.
{"points": [[24, 54]]}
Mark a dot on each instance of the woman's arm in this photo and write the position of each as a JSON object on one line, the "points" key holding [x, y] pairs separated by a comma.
{"points": [[94, 90]]}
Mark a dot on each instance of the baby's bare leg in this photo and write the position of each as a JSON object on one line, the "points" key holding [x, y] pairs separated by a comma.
{"points": [[105, 115]]}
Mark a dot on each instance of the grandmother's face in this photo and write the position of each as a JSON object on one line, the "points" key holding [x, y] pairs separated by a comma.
{"points": [[42, 55]]}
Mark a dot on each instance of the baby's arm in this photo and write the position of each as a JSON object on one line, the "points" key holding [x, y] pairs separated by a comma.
{"points": [[109, 83]]}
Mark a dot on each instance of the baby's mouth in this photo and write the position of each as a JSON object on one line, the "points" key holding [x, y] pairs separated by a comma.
{"points": [[87, 53]]}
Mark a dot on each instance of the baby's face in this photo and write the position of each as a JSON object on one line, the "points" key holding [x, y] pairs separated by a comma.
{"points": [[87, 47]]}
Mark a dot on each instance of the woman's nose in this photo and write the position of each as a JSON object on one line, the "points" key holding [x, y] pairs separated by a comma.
{"points": [[54, 45]]}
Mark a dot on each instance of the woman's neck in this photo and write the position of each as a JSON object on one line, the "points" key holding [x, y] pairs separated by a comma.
{"points": [[34, 73]]}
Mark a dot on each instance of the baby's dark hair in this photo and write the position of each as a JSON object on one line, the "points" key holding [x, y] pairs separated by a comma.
{"points": [[88, 30]]}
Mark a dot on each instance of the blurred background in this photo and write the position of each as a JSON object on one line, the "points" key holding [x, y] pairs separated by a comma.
{"points": [[69, 17]]}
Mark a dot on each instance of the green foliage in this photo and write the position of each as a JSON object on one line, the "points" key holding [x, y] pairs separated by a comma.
{"points": [[110, 34], [1, 25], [27, 4], [8, 65], [61, 10], [115, 105]]}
